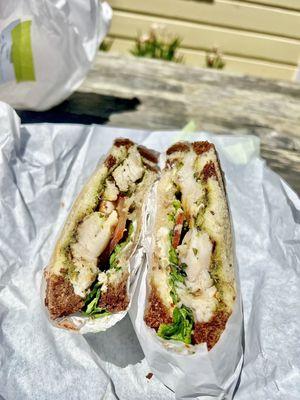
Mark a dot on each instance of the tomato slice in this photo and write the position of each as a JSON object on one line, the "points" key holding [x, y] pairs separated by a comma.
{"points": [[120, 228], [177, 230]]}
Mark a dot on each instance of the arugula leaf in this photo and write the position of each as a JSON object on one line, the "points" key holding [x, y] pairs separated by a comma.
{"points": [[181, 327], [173, 257], [177, 274], [173, 292], [113, 259], [97, 313], [171, 217], [176, 204], [92, 293], [91, 302]]}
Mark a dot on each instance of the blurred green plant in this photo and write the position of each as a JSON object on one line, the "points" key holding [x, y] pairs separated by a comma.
{"points": [[106, 45], [214, 59], [157, 44]]}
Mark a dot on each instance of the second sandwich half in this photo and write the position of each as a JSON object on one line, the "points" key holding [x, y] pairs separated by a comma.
{"points": [[191, 283]]}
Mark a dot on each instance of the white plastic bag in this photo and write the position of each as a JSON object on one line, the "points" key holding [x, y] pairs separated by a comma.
{"points": [[47, 48]]}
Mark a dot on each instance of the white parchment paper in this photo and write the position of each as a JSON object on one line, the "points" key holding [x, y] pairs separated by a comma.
{"points": [[42, 168]]}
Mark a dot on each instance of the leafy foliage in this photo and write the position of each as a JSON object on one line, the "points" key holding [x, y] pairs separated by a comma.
{"points": [[157, 44], [106, 45], [214, 59]]}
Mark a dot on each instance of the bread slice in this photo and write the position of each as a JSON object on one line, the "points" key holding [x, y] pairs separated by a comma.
{"points": [[89, 274], [191, 284]]}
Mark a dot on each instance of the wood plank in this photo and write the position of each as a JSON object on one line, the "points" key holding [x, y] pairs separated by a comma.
{"points": [[170, 95], [237, 15], [233, 64], [203, 37], [286, 4]]}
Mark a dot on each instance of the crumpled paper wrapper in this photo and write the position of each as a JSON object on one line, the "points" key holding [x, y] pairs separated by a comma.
{"points": [[42, 169]]}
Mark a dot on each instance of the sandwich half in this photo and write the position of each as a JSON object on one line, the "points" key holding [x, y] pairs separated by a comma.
{"points": [[191, 281], [89, 273]]}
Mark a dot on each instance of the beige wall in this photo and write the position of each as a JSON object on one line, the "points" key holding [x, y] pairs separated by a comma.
{"points": [[258, 37]]}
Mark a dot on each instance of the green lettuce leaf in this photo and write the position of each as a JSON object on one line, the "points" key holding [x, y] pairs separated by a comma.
{"points": [[91, 308], [181, 328], [173, 257], [177, 274], [171, 217], [176, 204], [114, 258]]}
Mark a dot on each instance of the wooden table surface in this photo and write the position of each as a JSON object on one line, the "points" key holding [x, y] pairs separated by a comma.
{"points": [[150, 94]]}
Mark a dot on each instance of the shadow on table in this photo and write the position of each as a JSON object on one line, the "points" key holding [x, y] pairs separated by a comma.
{"points": [[118, 345], [82, 108]]}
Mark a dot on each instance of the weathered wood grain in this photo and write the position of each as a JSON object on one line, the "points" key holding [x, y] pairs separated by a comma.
{"points": [[170, 95]]}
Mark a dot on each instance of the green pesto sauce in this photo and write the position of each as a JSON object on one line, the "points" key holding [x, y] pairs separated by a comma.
{"points": [[216, 261]]}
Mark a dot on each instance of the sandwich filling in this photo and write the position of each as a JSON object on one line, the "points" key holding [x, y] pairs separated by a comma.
{"points": [[90, 267], [191, 280]]}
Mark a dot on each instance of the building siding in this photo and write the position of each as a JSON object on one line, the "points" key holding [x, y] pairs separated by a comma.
{"points": [[260, 38]]}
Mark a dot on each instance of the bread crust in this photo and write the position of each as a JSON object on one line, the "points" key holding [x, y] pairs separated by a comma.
{"points": [[60, 297], [156, 313], [179, 146], [116, 297], [148, 154]]}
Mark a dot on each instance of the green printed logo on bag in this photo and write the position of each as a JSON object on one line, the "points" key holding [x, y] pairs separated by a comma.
{"points": [[21, 52], [16, 59]]}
